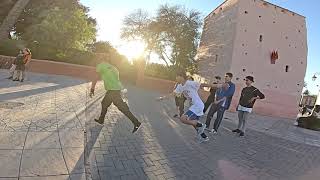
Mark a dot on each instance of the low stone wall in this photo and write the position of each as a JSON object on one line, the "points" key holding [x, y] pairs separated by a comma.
{"points": [[51, 67], [6, 61]]}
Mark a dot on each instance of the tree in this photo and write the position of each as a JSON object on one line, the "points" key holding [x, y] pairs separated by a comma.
{"points": [[173, 34], [103, 47], [5, 7], [61, 31], [9, 22], [37, 10]]}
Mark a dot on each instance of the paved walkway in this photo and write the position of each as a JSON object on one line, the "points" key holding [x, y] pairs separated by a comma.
{"points": [[42, 122], [47, 132]]}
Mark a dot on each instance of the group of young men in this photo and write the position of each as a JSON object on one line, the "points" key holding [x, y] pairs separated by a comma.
{"points": [[219, 101]]}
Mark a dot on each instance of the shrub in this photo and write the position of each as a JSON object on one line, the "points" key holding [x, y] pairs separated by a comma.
{"points": [[160, 71], [11, 47]]}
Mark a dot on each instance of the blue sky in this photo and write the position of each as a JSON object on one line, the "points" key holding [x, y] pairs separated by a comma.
{"points": [[110, 14]]}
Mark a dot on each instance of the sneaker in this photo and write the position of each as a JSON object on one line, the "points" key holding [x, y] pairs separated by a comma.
{"points": [[236, 131], [201, 129], [175, 116], [213, 131], [241, 134], [15, 80], [10, 77], [201, 140], [136, 127], [99, 121], [21, 80]]}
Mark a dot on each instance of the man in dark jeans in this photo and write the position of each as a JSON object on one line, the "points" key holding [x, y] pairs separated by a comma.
{"points": [[212, 95], [248, 97], [222, 103], [110, 76]]}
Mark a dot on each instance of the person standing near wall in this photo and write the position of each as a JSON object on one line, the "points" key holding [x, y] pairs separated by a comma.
{"points": [[13, 66], [249, 95], [212, 95], [26, 60], [21, 62], [222, 103]]}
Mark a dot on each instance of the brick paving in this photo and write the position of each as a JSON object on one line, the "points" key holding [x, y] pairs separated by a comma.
{"points": [[167, 149], [42, 123], [47, 132]]}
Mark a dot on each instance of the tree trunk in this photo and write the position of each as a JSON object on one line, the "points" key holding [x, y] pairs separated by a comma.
{"points": [[9, 22]]}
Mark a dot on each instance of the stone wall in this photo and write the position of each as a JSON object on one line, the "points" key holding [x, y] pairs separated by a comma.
{"points": [[249, 32], [51, 67], [216, 45]]}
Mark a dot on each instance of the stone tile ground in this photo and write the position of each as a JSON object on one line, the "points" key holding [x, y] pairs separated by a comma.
{"points": [[166, 149], [47, 132], [42, 127]]}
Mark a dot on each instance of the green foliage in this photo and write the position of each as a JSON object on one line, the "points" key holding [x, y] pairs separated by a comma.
{"points": [[11, 47], [37, 10], [60, 31], [161, 71], [103, 47]]}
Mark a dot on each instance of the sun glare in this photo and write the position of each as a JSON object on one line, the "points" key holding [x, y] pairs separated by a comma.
{"points": [[132, 49]]}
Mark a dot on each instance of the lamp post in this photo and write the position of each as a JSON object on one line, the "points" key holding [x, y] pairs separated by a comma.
{"points": [[314, 77]]}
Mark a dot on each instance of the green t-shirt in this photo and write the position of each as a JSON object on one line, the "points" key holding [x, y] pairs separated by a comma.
{"points": [[110, 76]]}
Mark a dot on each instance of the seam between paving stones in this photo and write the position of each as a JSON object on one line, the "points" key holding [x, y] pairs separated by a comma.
{"points": [[25, 140], [87, 159], [63, 156]]}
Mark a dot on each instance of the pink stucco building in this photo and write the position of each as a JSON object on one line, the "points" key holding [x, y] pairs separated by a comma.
{"points": [[239, 36]]}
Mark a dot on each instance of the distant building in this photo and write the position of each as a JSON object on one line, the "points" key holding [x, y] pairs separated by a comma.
{"points": [[254, 37], [308, 100]]}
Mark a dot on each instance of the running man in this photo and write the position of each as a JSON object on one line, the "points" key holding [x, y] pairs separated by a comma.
{"points": [[192, 116], [110, 76]]}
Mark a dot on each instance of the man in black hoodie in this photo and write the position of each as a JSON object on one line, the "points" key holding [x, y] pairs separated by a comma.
{"points": [[248, 97], [212, 95]]}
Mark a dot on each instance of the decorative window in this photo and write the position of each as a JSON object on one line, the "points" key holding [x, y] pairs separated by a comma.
{"points": [[287, 68]]}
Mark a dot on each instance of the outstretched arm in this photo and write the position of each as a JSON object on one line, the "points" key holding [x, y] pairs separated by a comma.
{"points": [[202, 85], [165, 97]]}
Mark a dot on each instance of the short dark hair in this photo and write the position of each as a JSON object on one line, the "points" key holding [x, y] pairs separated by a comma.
{"points": [[217, 77], [182, 74], [229, 74]]}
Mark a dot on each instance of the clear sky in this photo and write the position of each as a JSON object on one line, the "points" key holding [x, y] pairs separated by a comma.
{"points": [[110, 13]]}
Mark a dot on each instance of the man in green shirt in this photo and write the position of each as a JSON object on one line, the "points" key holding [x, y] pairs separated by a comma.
{"points": [[110, 76]]}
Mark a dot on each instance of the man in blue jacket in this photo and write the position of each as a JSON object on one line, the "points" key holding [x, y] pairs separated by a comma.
{"points": [[223, 101]]}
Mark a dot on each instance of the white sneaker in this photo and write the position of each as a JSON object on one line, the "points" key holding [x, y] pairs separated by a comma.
{"points": [[213, 131], [201, 129], [201, 139]]}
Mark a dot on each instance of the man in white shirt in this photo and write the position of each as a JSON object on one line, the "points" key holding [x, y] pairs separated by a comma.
{"points": [[195, 111], [192, 116]]}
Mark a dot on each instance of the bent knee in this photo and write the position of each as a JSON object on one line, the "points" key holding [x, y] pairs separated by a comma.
{"points": [[183, 118]]}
